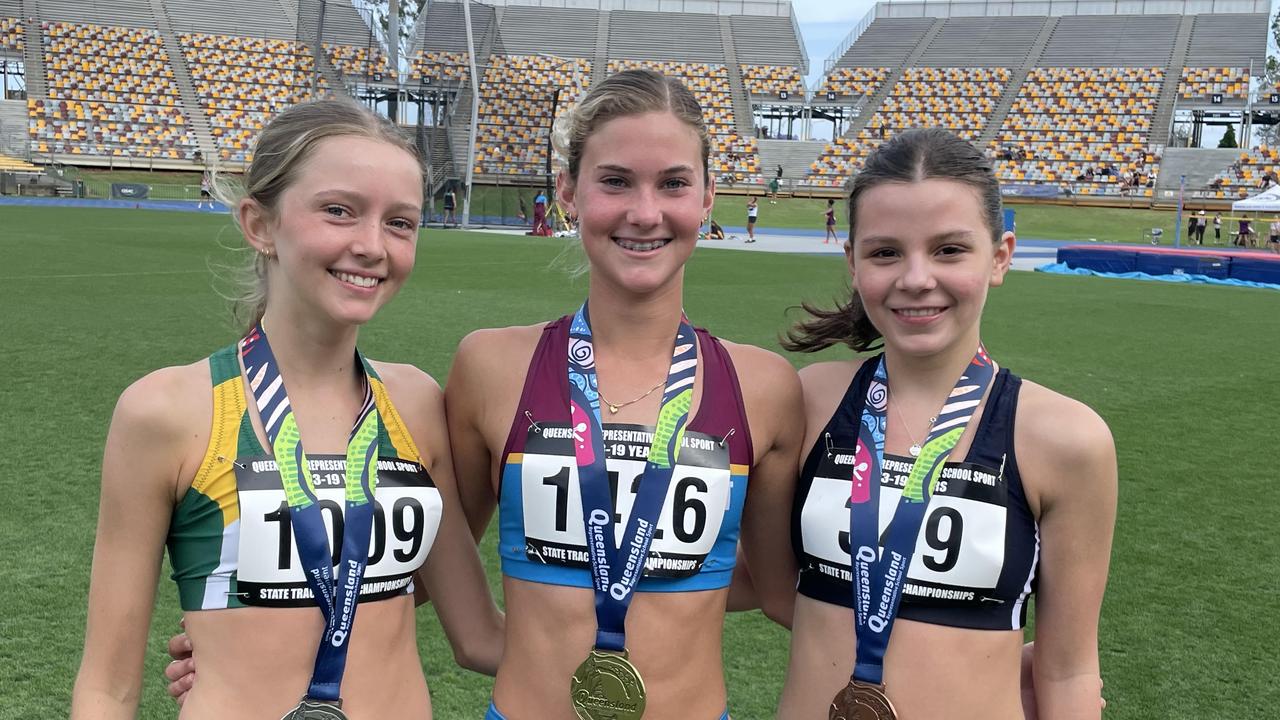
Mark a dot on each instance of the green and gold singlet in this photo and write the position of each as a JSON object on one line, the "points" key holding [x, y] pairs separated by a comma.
{"points": [[230, 539]]}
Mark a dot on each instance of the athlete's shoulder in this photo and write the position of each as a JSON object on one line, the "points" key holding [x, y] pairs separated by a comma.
{"points": [[770, 386], [1053, 430], [409, 386], [754, 363], [166, 396], [497, 345], [827, 375], [168, 411], [403, 378]]}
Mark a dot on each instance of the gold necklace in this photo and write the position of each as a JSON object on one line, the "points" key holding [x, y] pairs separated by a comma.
{"points": [[916, 447], [615, 407]]}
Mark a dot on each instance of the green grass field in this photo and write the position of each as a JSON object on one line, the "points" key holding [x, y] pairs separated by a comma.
{"points": [[1184, 375]]}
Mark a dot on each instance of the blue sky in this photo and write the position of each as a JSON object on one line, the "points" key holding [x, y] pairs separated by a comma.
{"points": [[824, 24]]}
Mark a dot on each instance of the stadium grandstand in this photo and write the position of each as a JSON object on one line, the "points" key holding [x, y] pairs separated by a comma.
{"points": [[1099, 100]]}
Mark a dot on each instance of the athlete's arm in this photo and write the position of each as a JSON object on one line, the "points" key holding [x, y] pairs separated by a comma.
{"points": [[1067, 459], [465, 392], [772, 396], [453, 575], [145, 450]]}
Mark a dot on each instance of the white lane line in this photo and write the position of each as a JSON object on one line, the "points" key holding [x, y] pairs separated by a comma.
{"points": [[102, 275]]}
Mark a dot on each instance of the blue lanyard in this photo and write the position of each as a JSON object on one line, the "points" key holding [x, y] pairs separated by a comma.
{"points": [[878, 577], [336, 593], [615, 570]]}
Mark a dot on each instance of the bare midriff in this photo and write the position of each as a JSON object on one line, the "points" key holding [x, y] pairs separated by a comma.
{"points": [[257, 662], [930, 671], [673, 640]]}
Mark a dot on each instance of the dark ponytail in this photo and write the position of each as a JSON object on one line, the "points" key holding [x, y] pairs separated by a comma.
{"points": [[911, 156], [847, 323]]}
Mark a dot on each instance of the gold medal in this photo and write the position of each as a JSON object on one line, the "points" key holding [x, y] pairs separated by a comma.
{"points": [[606, 686], [861, 701]]}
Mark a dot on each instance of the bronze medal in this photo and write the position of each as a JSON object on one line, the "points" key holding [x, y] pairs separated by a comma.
{"points": [[311, 709], [606, 686], [861, 701]]}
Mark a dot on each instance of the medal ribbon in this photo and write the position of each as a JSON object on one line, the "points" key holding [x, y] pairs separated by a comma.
{"points": [[616, 570], [878, 577], [337, 593]]}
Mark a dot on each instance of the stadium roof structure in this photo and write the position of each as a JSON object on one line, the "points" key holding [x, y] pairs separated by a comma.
{"points": [[779, 8], [1059, 8]]}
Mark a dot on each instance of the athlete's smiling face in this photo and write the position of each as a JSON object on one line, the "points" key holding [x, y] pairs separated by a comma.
{"points": [[344, 233], [922, 260], [641, 195]]}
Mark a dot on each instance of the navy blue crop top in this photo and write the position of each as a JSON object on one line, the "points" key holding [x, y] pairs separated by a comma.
{"points": [[976, 556]]}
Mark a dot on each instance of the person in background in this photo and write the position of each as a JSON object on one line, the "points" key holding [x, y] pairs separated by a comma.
{"points": [[753, 213]]}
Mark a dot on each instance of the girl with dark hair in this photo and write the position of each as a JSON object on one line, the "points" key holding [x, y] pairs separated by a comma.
{"points": [[940, 492], [625, 450], [275, 550]]}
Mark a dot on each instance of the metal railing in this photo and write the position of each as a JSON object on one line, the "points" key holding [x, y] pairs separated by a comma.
{"points": [[849, 40]]}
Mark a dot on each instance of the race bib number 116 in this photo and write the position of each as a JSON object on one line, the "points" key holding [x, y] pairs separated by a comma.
{"points": [[692, 513]]}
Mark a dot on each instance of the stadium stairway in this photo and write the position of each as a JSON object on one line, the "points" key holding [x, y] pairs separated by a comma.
{"points": [[13, 127], [182, 78], [1017, 77], [869, 108], [1172, 77], [795, 156], [743, 118], [600, 63], [32, 57], [459, 121], [1198, 164]]}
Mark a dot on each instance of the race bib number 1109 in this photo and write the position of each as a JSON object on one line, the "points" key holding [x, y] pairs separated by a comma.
{"points": [[406, 517]]}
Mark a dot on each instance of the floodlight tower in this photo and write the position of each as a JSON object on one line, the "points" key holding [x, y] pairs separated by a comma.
{"points": [[475, 115]]}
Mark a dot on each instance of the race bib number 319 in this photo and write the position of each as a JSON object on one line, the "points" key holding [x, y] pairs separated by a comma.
{"points": [[692, 512], [406, 517]]}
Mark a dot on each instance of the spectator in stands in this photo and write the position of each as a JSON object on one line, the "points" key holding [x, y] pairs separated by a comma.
{"points": [[753, 213], [1268, 179], [922, 300], [330, 212], [1215, 184], [778, 173], [639, 225], [450, 204]]}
